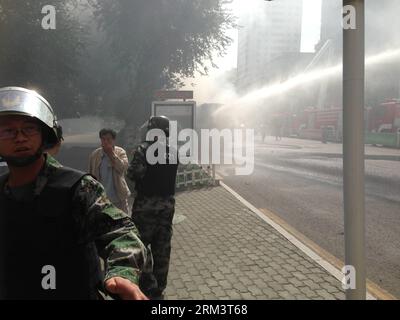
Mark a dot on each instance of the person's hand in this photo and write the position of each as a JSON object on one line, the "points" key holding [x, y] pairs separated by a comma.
{"points": [[108, 149], [125, 289]]}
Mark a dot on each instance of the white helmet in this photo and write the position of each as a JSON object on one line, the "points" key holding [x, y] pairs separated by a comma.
{"points": [[24, 102]]}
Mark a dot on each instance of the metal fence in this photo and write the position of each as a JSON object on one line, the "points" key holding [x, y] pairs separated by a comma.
{"points": [[194, 176]]}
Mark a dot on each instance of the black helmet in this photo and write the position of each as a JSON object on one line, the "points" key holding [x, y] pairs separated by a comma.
{"points": [[59, 132], [159, 122]]}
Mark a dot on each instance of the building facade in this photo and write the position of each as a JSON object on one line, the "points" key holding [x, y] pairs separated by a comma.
{"points": [[272, 31]]}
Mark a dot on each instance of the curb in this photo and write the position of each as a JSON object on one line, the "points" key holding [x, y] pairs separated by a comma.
{"points": [[312, 250]]}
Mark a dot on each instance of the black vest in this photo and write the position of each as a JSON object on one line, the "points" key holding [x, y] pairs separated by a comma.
{"points": [[42, 232], [159, 179]]}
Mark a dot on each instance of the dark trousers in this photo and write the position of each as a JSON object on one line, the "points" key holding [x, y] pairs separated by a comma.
{"points": [[153, 218]]}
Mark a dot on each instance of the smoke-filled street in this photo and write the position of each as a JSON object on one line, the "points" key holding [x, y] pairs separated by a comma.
{"points": [[301, 182], [271, 126]]}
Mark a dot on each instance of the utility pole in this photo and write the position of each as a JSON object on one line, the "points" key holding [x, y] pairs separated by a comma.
{"points": [[353, 148]]}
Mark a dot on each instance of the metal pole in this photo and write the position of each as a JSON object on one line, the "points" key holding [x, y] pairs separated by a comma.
{"points": [[353, 149]]}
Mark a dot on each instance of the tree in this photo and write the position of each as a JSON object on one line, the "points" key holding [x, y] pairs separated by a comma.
{"points": [[158, 42], [45, 60]]}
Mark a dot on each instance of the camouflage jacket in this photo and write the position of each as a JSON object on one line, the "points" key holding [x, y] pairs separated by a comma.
{"points": [[138, 165], [113, 232]]}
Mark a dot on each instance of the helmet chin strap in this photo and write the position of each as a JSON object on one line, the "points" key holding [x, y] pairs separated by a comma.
{"points": [[23, 161]]}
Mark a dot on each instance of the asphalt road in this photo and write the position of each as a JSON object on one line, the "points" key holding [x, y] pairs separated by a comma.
{"points": [[301, 182]]}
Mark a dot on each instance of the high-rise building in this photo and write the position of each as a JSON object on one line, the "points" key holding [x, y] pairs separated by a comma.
{"points": [[265, 34], [331, 29], [381, 34], [331, 18]]}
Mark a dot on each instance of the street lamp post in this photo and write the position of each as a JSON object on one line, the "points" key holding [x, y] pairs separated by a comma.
{"points": [[353, 149]]}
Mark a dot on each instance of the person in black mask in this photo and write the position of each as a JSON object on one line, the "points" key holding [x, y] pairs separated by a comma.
{"points": [[56, 221]]}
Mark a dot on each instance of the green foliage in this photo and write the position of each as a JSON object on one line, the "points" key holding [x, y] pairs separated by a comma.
{"points": [[157, 42], [45, 60], [107, 57]]}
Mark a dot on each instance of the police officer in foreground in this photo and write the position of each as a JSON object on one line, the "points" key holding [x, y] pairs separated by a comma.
{"points": [[54, 221], [154, 206]]}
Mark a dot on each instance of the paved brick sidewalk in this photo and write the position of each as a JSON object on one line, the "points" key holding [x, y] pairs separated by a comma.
{"points": [[222, 250]]}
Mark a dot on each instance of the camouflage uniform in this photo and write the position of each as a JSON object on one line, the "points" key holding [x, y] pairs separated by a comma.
{"points": [[153, 217], [114, 233]]}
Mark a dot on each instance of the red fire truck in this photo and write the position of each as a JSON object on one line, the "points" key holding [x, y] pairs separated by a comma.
{"points": [[327, 125], [317, 124], [384, 118]]}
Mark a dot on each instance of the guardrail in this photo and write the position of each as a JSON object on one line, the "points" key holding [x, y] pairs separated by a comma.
{"points": [[386, 139], [194, 176]]}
